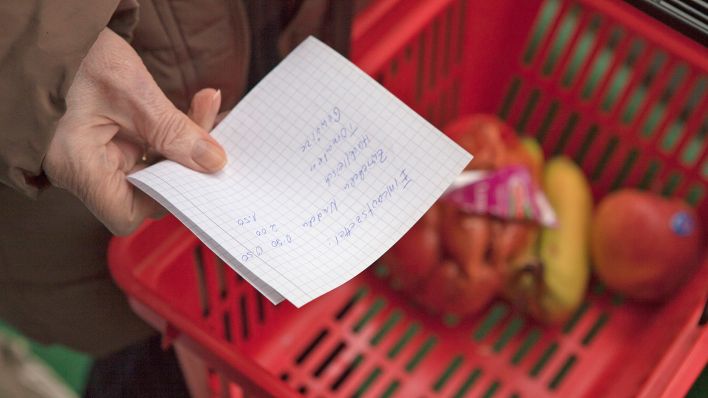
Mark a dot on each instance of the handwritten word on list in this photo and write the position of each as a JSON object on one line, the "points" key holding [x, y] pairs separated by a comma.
{"points": [[342, 157]]}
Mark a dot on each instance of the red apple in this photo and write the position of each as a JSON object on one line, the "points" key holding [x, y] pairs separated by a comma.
{"points": [[643, 245]]}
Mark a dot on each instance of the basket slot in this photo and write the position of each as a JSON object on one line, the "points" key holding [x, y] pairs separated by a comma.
{"points": [[562, 372], [327, 361], [636, 94], [367, 382], [510, 331], [344, 310], [538, 120], [261, 308], [574, 54], [657, 85], [669, 102], [639, 72], [676, 180], [420, 354], [493, 318], [566, 133], [509, 98], [675, 130], [549, 18], [569, 31], [618, 81], [595, 329], [492, 389], [422, 53], [524, 100], [403, 340], [625, 169], [600, 155], [452, 367], [316, 359], [588, 67], [314, 343], [695, 194], [692, 149], [622, 57], [649, 176], [244, 318], [384, 386], [394, 318], [603, 66], [672, 182], [529, 109], [644, 172], [346, 373], [450, 25], [486, 385], [435, 58], [198, 256], [469, 382], [579, 51], [226, 318], [530, 341], [459, 375], [540, 363], [549, 116], [391, 389], [375, 308]]}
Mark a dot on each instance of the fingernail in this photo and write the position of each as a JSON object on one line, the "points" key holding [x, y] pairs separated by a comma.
{"points": [[217, 96], [208, 155]]}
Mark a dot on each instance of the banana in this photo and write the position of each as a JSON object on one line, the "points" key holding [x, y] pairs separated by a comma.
{"points": [[533, 148], [549, 280]]}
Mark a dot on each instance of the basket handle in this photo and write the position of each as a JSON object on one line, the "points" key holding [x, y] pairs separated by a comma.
{"points": [[684, 16]]}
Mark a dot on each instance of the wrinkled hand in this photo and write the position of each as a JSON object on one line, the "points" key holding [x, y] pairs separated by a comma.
{"points": [[115, 113]]}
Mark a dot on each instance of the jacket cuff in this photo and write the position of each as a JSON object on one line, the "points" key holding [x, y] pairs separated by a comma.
{"points": [[41, 48]]}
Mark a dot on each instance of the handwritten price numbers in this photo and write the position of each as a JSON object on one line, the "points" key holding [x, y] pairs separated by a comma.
{"points": [[246, 220], [249, 254], [278, 242], [264, 230]]}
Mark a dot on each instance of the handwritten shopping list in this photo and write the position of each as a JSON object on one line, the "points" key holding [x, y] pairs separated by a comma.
{"points": [[326, 171]]}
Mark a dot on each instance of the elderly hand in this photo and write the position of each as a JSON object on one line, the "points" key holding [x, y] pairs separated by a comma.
{"points": [[115, 113]]}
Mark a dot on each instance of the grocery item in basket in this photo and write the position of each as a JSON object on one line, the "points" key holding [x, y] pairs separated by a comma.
{"points": [[454, 260], [507, 193], [550, 279], [645, 246]]}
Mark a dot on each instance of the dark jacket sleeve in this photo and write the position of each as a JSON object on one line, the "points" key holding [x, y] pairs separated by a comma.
{"points": [[42, 44], [329, 20]]}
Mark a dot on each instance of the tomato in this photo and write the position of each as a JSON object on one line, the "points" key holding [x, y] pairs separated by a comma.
{"points": [[486, 137]]}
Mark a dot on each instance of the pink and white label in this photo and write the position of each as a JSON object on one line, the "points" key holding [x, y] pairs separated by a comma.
{"points": [[508, 193]]}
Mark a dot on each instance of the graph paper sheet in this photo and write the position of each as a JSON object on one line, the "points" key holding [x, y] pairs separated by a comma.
{"points": [[326, 171]]}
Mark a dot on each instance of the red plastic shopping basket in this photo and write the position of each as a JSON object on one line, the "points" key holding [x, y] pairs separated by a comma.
{"points": [[619, 92]]}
